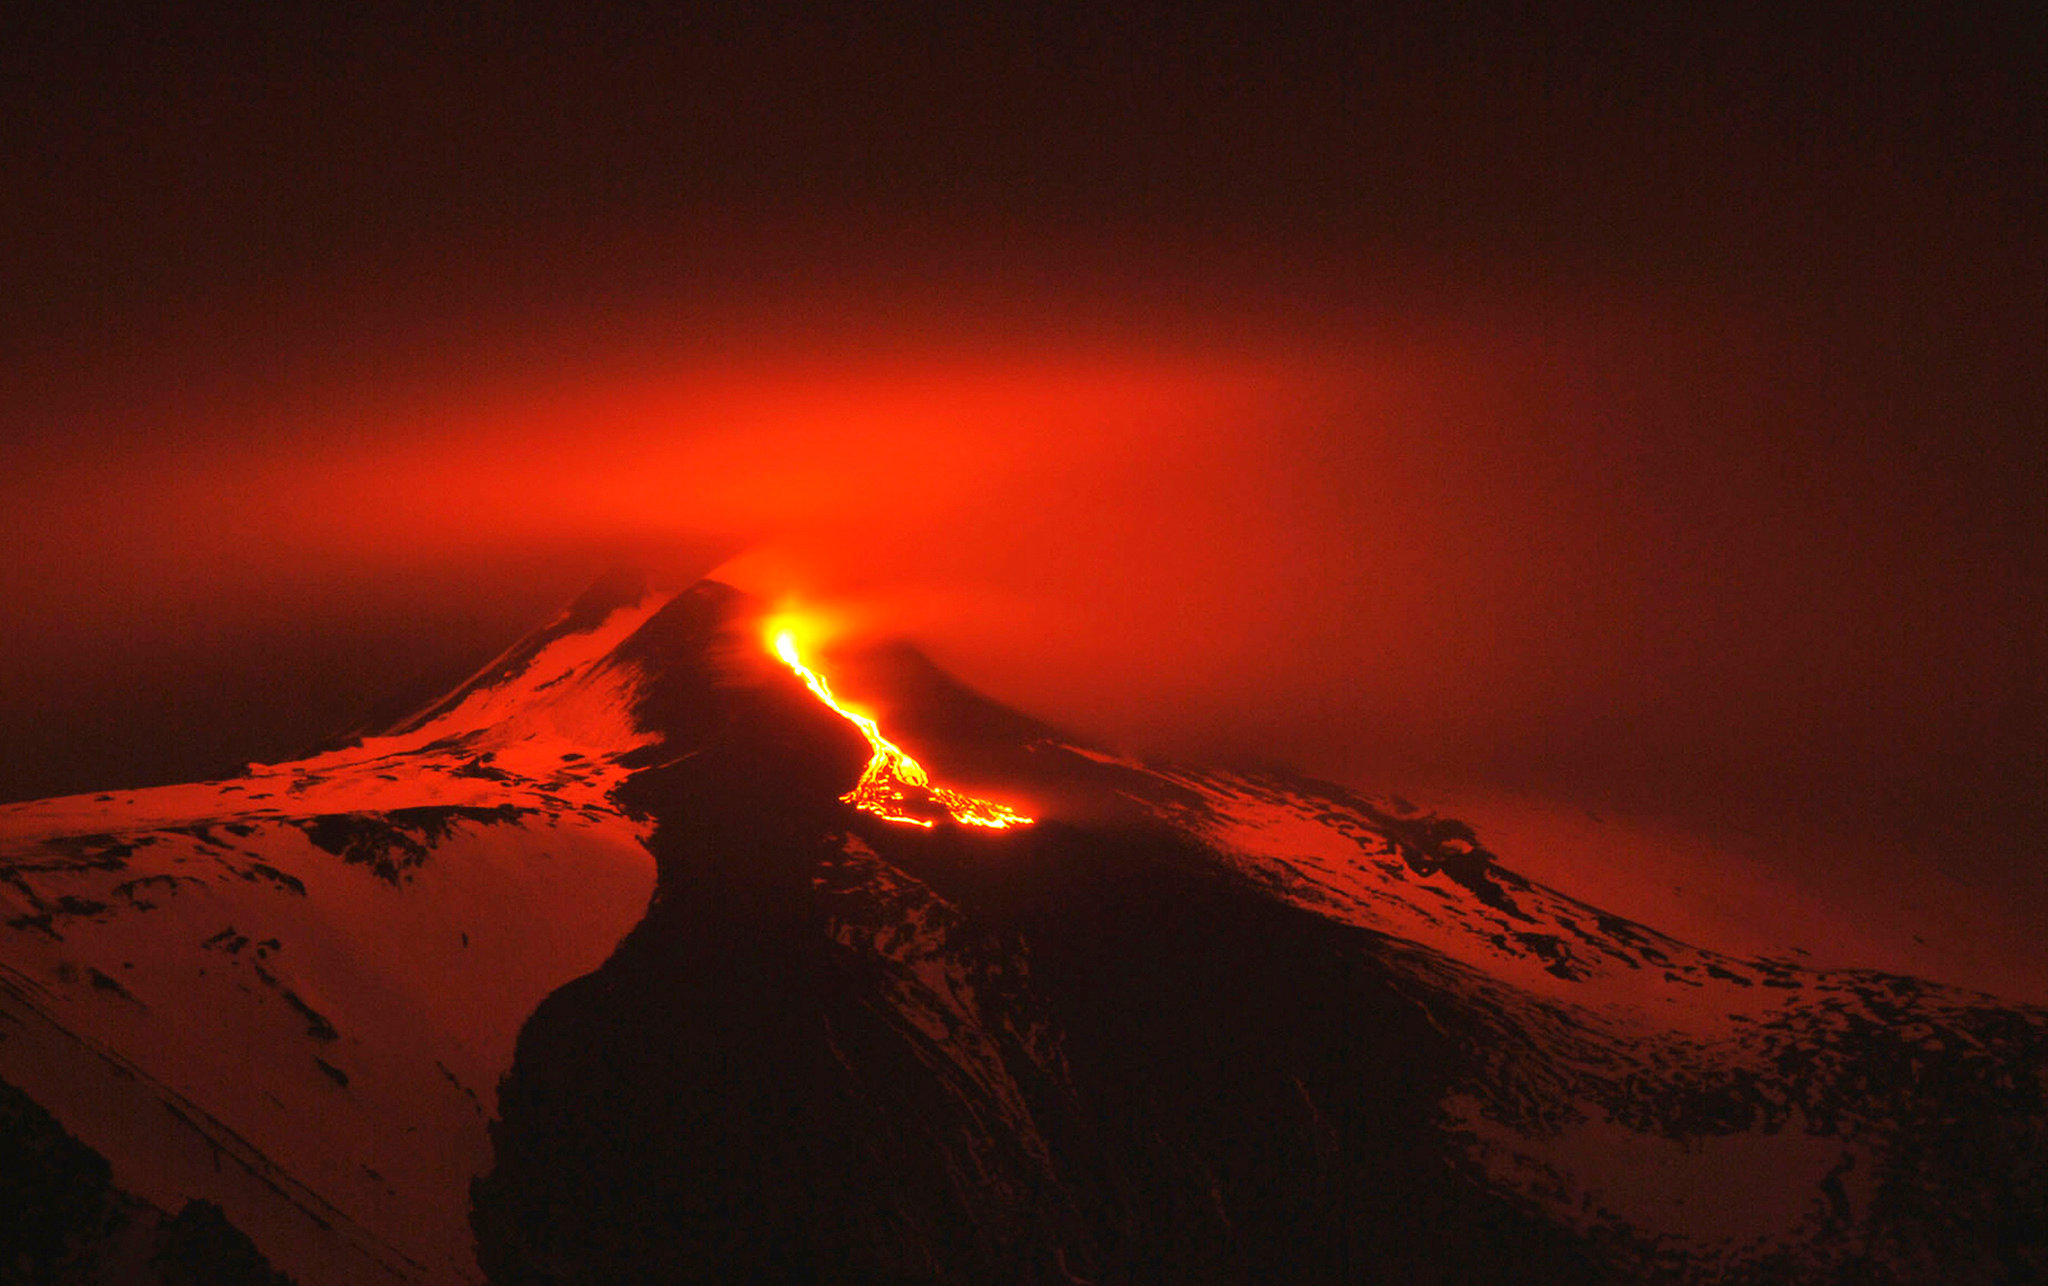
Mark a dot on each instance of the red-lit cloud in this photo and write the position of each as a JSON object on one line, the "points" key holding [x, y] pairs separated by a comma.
{"points": [[1603, 547]]}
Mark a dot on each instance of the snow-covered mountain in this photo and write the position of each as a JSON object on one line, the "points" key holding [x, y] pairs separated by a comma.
{"points": [[586, 973]]}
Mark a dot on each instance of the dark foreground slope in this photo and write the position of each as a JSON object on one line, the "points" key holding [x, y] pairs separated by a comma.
{"points": [[62, 1220], [585, 974], [1165, 1035]]}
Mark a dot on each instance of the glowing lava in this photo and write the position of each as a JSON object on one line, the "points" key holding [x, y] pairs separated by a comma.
{"points": [[893, 782]]}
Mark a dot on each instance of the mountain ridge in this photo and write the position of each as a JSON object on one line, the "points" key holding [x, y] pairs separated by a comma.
{"points": [[590, 967]]}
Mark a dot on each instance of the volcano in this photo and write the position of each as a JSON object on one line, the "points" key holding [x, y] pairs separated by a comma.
{"points": [[593, 971]]}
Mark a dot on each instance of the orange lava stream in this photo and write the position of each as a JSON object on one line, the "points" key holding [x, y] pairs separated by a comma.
{"points": [[893, 780]]}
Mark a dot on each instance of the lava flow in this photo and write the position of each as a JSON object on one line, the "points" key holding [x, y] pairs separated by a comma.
{"points": [[893, 782]]}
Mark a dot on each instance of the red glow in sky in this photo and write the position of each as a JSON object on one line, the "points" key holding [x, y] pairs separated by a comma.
{"points": [[1642, 412]]}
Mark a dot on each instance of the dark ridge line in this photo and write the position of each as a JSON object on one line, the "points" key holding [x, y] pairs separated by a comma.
{"points": [[237, 1149]]}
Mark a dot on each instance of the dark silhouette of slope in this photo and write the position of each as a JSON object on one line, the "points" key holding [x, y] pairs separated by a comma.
{"points": [[62, 1220], [1200, 1086], [1194, 1025]]}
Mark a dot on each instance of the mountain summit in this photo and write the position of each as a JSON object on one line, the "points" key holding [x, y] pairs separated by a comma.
{"points": [[590, 972]]}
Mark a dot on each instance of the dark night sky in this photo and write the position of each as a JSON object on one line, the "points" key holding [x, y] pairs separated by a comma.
{"points": [[1633, 408]]}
